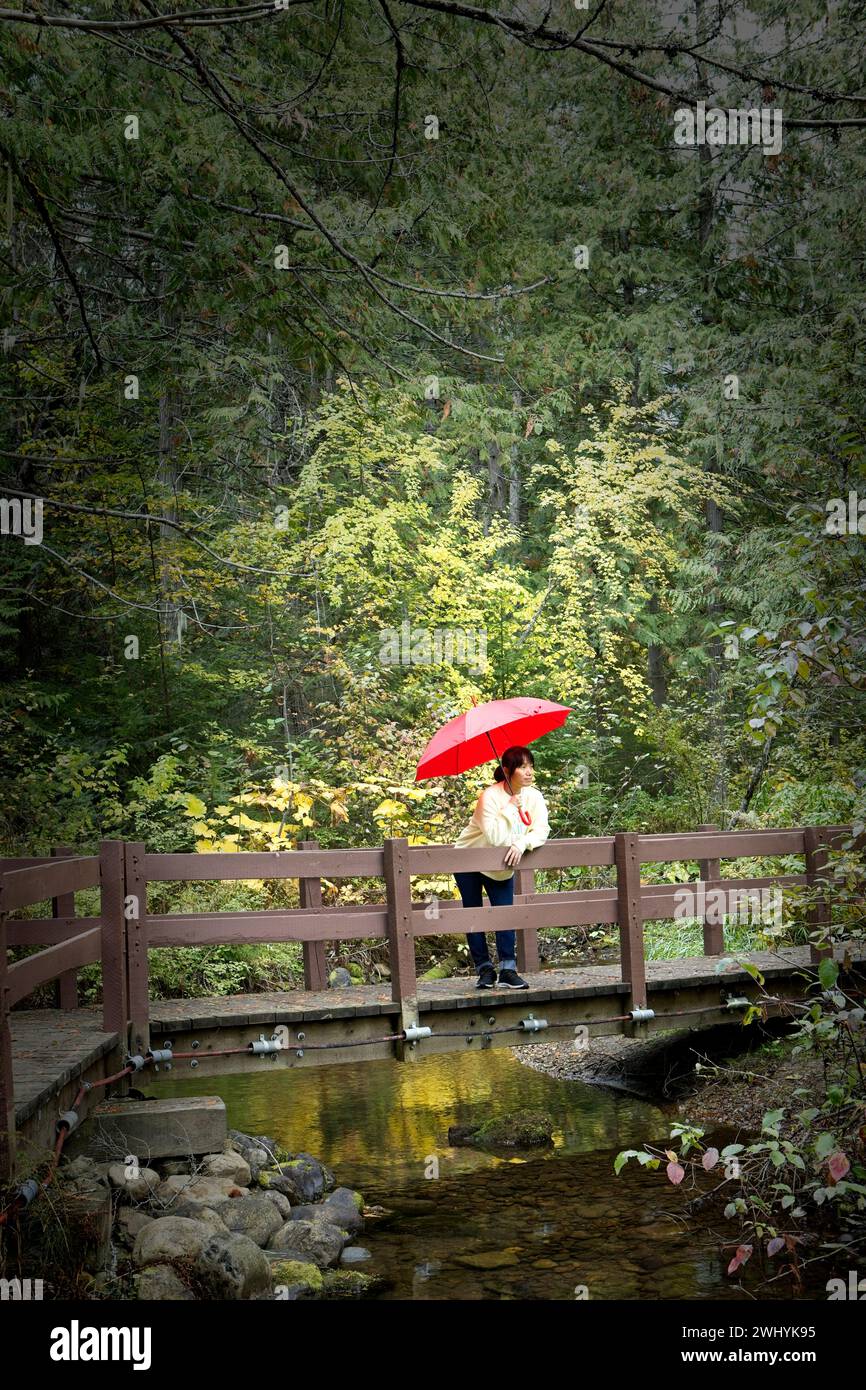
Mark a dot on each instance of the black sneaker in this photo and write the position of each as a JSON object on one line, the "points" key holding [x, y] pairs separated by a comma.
{"points": [[511, 980], [486, 977]]}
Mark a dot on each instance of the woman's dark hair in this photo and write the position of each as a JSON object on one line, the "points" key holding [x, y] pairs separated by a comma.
{"points": [[512, 758]]}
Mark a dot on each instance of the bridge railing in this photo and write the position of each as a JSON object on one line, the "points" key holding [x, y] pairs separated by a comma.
{"points": [[126, 930], [123, 933], [68, 942], [400, 919]]}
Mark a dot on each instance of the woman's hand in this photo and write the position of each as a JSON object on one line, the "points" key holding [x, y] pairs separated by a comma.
{"points": [[513, 856]]}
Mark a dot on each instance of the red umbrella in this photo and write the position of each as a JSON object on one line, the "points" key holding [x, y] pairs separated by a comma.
{"points": [[487, 730]]}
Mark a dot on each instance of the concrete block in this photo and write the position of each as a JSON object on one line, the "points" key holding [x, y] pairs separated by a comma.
{"points": [[158, 1128]]}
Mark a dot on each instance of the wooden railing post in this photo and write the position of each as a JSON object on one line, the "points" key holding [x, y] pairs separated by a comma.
{"points": [[527, 940], [115, 1013], [7, 1091], [714, 925], [137, 974], [627, 858], [310, 893], [64, 906], [401, 939], [818, 915]]}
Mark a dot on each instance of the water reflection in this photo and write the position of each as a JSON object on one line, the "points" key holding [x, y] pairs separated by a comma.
{"points": [[550, 1224]]}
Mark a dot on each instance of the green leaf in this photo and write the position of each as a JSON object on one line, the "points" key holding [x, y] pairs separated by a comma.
{"points": [[828, 972]]}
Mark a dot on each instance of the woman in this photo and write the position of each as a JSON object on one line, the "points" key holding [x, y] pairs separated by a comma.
{"points": [[510, 813]]}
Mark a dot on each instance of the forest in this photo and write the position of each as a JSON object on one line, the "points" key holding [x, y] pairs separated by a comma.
{"points": [[335, 330], [364, 359]]}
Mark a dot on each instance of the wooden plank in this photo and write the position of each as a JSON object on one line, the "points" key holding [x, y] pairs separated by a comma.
{"points": [[58, 876], [713, 922], [290, 924], [633, 964], [832, 837], [540, 911], [401, 938], [47, 931], [23, 862], [818, 916], [137, 941], [527, 941], [310, 893], [554, 854], [115, 1013], [7, 1088], [427, 859], [25, 975], [322, 863], [731, 844], [660, 901], [64, 906]]}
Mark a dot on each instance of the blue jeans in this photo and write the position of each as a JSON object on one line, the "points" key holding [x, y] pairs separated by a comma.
{"points": [[501, 894]]}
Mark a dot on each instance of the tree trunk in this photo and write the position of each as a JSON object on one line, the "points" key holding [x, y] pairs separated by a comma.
{"points": [[514, 474], [171, 616]]}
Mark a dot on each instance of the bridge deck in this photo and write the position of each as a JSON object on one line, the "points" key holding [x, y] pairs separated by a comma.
{"points": [[53, 1049], [296, 1006]]}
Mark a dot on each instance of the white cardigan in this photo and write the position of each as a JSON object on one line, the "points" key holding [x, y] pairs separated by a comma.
{"points": [[495, 823]]}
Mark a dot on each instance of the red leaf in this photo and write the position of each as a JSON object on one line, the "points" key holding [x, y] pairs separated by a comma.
{"points": [[710, 1159], [743, 1253], [839, 1166], [446, 410], [675, 1173]]}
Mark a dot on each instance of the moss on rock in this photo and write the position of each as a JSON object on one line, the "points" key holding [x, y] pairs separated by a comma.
{"points": [[523, 1129], [349, 1283], [297, 1272]]}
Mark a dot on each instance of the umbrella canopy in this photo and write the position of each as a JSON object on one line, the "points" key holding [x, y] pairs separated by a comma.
{"points": [[484, 732]]}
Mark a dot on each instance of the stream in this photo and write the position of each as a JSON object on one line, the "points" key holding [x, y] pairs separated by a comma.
{"points": [[554, 1223]]}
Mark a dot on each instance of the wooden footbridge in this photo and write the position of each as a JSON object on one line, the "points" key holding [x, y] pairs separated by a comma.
{"points": [[50, 1056]]}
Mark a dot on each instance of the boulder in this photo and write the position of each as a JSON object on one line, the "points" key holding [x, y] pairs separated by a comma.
{"points": [[135, 1189], [275, 1256], [272, 1180], [281, 1202], [197, 1211], [523, 1129], [355, 1255], [252, 1216], [170, 1238], [229, 1166], [350, 1283], [339, 978], [241, 1142], [316, 1238], [340, 1208], [128, 1223], [307, 1174], [189, 1188], [257, 1159], [233, 1266], [160, 1283], [294, 1279]]}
